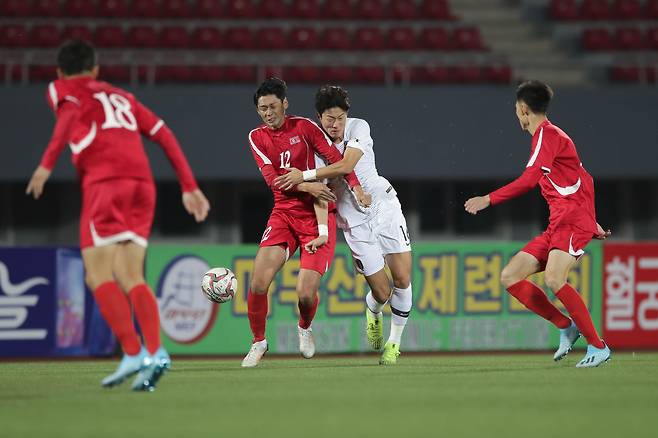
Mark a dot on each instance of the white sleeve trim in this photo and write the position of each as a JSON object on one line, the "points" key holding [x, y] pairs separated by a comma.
{"points": [[52, 91], [260, 154], [537, 149], [156, 127]]}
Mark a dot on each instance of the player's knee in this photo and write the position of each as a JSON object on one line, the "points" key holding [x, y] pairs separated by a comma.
{"points": [[508, 278], [307, 300], [93, 280], [553, 281], [258, 286], [402, 281]]}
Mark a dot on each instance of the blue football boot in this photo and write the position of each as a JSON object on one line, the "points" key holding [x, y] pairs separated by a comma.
{"points": [[568, 337], [129, 365], [595, 357], [146, 380]]}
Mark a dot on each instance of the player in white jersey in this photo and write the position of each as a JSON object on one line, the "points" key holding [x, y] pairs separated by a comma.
{"points": [[377, 236]]}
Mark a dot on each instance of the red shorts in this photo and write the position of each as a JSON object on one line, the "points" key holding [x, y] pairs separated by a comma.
{"points": [[566, 238], [117, 210], [295, 232]]}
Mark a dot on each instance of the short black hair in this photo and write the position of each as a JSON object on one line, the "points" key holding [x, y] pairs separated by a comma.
{"points": [[76, 56], [331, 96], [270, 86], [536, 94]]}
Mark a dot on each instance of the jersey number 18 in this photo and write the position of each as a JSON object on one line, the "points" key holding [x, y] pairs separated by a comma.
{"points": [[118, 112]]}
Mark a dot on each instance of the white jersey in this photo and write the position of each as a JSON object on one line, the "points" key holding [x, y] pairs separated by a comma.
{"points": [[350, 214]]}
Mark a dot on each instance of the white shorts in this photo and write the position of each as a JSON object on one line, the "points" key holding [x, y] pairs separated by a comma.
{"points": [[386, 233]]}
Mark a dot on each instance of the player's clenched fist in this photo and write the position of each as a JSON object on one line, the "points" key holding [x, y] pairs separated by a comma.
{"points": [[196, 204], [477, 203]]}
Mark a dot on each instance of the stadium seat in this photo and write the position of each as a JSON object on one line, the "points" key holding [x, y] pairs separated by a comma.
{"points": [[564, 10], [270, 38], [434, 74], [15, 8], [402, 9], [239, 38], [335, 38], [46, 8], [11, 72], [42, 73], [14, 35], [465, 74], [652, 38], [497, 74], [651, 74], [651, 9], [240, 9], [273, 70], [369, 9], [109, 36], [209, 9], [80, 8], [336, 74], [436, 10], [595, 10], [303, 38], [302, 74], [467, 38], [240, 73], [207, 73], [401, 38], [77, 32], [146, 8], [337, 9], [368, 38], [626, 9], [207, 38], [172, 73], [629, 38], [44, 35], [175, 37], [369, 75], [597, 39], [434, 38], [176, 9], [142, 37], [114, 73], [309, 9], [273, 9], [627, 74], [113, 9]]}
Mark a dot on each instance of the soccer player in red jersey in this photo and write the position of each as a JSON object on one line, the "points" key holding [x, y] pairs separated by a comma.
{"points": [[103, 125], [283, 142], [569, 191]]}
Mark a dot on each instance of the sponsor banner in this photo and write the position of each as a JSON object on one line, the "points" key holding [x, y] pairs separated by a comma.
{"points": [[630, 298], [459, 303]]}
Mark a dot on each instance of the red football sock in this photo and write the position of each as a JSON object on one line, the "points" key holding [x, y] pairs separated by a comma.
{"points": [[257, 312], [148, 315], [531, 296], [579, 313], [115, 308], [307, 313]]}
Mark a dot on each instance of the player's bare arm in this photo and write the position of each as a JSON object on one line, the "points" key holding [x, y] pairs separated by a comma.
{"points": [[339, 168], [322, 215], [478, 203], [37, 182]]}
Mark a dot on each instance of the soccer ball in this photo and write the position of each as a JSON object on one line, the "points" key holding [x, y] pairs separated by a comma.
{"points": [[219, 285]]}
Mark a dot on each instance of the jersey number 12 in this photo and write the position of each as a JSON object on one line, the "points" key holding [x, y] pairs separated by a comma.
{"points": [[118, 112]]}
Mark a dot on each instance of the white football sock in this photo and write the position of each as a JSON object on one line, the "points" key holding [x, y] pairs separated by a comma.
{"points": [[373, 305], [400, 302]]}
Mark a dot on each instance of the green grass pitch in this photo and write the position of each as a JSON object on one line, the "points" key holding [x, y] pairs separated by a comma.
{"points": [[520, 395]]}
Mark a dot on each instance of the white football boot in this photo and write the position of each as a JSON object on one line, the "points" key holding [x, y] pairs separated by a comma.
{"points": [[595, 357], [256, 353], [568, 337], [306, 342]]}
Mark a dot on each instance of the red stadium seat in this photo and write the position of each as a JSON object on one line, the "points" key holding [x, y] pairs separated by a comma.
{"points": [[626, 9], [626, 74], [176, 9], [497, 74], [305, 9], [336, 75], [113, 9], [114, 73], [14, 35], [564, 10], [337, 9], [42, 73], [651, 9], [370, 75], [435, 74], [629, 38], [109, 36], [369, 9], [77, 32], [597, 39], [467, 38], [465, 74], [240, 9], [146, 8], [335, 38], [172, 73], [303, 74], [402, 9], [270, 38], [46, 8], [595, 10], [80, 8], [44, 35], [15, 8], [239, 38], [434, 38], [368, 38], [207, 38], [435, 9], [273, 9], [273, 71], [209, 9], [240, 73], [401, 38], [652, 38], [303, 38], [207, 73], [11, 72], [175, 37], [651, 74], [142, 37]]}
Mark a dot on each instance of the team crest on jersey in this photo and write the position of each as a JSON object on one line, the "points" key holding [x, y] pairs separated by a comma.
{"points": [[295, 140]]}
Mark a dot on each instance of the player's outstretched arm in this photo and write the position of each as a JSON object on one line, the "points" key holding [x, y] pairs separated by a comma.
{"points": [[322, 216], [196, 204], [339, 168]]}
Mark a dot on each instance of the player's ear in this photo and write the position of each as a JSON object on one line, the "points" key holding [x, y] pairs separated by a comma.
{"points": [[94, 71], [60, 73], [285, 103]]}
